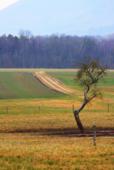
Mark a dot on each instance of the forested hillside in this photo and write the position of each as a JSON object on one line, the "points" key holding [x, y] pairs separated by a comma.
{"points": [[54, 51]]}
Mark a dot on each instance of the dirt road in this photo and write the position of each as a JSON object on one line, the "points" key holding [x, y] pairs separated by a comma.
{"points": [[52, 83]]}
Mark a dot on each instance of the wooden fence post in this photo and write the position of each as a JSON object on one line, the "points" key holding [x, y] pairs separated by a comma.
{"points": [[73, 108], [108, 107], [7, 110], [39, 109], [94, 135]]}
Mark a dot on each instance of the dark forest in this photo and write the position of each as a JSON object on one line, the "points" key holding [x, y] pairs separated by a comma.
{"points": [[54, 51]]}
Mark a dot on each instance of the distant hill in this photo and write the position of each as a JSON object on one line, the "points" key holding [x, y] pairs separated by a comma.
{"points": [[54, 51]]}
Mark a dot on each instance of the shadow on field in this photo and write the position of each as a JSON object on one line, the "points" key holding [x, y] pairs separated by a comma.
{"points": [[65, 132]]}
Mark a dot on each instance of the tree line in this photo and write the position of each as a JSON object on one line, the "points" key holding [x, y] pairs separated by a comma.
{"points": [[54, 51]]}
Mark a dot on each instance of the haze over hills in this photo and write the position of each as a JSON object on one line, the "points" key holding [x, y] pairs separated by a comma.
{"points": [[81, 18], [54, 43], [110, 36]]}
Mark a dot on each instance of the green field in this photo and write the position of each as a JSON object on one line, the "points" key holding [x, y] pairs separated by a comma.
{"points": [[37, 127], [16, 84], [23, 85]]}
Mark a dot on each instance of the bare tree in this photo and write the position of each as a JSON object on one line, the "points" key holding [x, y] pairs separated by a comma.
{"points": [[88, 76]]}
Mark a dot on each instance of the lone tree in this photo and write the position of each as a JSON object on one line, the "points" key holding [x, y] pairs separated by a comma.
{"points": [[88, 76]]}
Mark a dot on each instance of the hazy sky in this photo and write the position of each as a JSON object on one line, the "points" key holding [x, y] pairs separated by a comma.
{"points": [[42, 17]]}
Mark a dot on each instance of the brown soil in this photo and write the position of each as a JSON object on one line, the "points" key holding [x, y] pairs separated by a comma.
{"points": [[65, 132]]}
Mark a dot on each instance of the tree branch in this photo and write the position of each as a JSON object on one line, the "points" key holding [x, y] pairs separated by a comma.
{"points": [[92, 97]]}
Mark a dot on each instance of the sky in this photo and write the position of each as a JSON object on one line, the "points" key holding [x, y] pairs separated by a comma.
{"points": [[46, 17]]}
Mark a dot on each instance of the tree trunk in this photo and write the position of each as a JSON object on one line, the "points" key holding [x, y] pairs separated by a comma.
{"points": [[76, 115], [78, 121]]}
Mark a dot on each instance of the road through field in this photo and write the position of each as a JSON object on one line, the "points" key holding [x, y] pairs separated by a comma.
{"points": [[52, 83]]}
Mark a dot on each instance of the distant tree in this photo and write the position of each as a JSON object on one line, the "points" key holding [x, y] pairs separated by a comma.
{"points": [[88, 76], [25, 33]]}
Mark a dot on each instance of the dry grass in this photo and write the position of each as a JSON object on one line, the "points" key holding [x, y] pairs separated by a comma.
{"points": [[30, 151], [33, 139], [42, 114]]}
